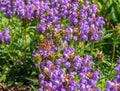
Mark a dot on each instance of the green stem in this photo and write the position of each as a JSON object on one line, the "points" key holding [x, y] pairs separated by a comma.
{"points": [[92, 48], [113, 54], [25, 38], [39, 69], [83, 47], [106, 43], [24, 35]]}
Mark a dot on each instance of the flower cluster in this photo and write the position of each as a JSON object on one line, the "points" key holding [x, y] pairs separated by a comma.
{"points": [[71, 72], [82, 25], [67, 72], [4, 36], [6, 7], [59, 21], [43, 9], [44, 49], [114, 85], [90, 24]]}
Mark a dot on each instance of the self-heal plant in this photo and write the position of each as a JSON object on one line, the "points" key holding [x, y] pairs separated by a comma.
{"points": [[85, 22], [59, 21], [70, 72], [90, 24], [62, 74]]}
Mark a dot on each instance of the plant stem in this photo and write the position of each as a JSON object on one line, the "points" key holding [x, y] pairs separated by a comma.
{"points": [[106, 43], [113, 54], [92, 48], [24, 35]]}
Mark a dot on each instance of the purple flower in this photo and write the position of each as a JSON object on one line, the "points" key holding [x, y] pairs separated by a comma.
{"points": [[75, 38], [4, 36], [41, 28], [114, 85], [39, 89]]}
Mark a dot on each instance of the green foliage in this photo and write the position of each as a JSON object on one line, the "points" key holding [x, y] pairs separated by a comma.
{"points": [[15, 57], [110, 9]]}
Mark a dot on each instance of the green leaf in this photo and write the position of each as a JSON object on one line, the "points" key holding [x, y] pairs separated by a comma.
{"points": [[108, 63], [99, 5], [10, 83], [34, 89], [32, 80], [19, 83]]}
